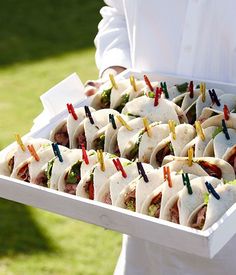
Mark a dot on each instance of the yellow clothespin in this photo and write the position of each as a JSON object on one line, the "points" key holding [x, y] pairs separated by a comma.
{"points": [[203, 91], [133, 83], [113, 82], [124, 123], [147, 127], [20, 142], [171, 124], [101, 159], [199, 130], [190, 156]]}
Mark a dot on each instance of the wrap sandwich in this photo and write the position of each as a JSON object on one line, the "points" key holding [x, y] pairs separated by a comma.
{"points": [[173, 144], [180, 206], [212, 209]]}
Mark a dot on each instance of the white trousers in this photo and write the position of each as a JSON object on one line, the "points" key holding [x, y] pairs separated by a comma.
{"points": [[139, 257]]}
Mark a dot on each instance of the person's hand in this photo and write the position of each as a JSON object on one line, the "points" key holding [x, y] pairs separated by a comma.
{"points": [[92, 86]]}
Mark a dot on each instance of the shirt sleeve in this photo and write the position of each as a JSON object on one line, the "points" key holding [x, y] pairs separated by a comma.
{"points": [[112, 42]]}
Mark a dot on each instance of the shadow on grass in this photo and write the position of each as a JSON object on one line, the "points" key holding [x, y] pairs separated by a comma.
{"points": [[37, 29], [18, 231]]}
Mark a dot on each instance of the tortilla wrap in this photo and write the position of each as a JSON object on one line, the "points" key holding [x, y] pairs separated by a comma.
{"points": [[69, 156], [221, 144], [166, 193], [29, 169], [144, 107], [72, 124], [126, 138], [199, 144], [186, 203], [101, 119], [16, 155], [71, 176], [147, 144], [225, 99], [215, 208], [212, 166], [117, 95], [117, 182], [230, 157], [217, 121], [59, 134]]}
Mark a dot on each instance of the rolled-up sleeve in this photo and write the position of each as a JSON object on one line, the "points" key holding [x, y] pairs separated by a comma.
{"points": [[112, 43]]}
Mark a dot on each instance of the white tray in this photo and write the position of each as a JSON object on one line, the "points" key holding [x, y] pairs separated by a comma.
{"points": [[205, 244]]}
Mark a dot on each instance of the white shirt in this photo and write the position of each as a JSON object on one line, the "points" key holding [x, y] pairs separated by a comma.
{"points": [[190, 38], [193, 38]]}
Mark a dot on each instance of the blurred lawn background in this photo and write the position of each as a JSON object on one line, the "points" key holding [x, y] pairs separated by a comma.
{"points": [[41, 43]]}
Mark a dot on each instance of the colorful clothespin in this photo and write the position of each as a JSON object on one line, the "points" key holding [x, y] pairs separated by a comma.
{"points": [[226, 112], [119, 167], [171, 124], [133, 83], [113, 82], [124, 123], [33, 152], [199, 130], [166, 172], [190, 156], [71, 110], [203, 91], [57, 152], [20, 142], [101, 160], [112, 120], [212, 190], [147, 127], [186, 182], [225, 130], [190, 89], [141, 171], [164, 89], [214, 97], [157, 95], [88, 114], [148, 83], [84, 154]]}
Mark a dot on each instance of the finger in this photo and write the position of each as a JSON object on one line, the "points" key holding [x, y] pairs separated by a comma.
{"points": [[89, 90], [93, 83]]}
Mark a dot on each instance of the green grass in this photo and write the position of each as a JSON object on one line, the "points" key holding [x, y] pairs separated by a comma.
{"points": [[42, 42]]}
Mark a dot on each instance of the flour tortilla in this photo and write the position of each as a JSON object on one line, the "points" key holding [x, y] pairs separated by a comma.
{"points": [[60, 125], [221, 144], [126, 138], [101, 119], [147, 144], [198, 143], [69, 156], [144, 107], [72, 124], [117, 182], [19, 155], [216, 208], [217, 121], [225, 99], [188, 203], [184, 134], [167, 192], [226, 169]]}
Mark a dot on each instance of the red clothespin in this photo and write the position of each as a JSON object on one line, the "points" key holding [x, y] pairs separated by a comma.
{"points": [[226, 112], [71, 110]]}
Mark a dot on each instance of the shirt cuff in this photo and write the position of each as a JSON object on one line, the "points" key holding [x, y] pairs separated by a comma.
{"points": [[114, 57]]}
